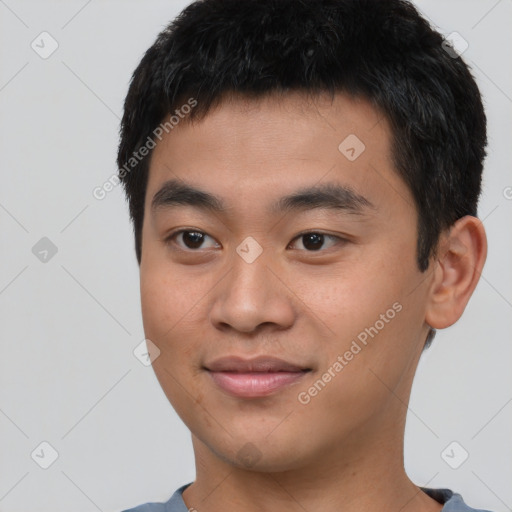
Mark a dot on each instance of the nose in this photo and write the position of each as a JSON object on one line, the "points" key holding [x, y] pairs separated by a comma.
{"points": [[252, 295]]}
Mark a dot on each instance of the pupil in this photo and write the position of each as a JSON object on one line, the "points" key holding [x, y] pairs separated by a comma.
{"points": [[315, 238], [192, 239]]}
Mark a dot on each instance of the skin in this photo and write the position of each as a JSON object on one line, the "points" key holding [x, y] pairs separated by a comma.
{"points": [[344, 449]]}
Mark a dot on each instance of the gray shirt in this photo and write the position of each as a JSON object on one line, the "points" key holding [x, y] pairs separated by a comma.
{"points": [[452, 502]]}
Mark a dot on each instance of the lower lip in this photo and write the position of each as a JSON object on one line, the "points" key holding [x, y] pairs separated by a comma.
{"points": [[253, 385]]}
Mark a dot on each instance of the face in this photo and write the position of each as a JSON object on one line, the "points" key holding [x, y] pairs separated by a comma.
{"points": [[299, 244]]}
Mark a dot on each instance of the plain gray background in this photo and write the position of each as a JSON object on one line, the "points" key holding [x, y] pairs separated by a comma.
{"points": [[69, 324]]}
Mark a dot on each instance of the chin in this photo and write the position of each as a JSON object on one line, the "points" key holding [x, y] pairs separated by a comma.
{"points": [[257, 452]]}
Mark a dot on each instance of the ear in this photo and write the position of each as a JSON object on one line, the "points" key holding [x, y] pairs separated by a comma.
{"points": [[461, 256]]}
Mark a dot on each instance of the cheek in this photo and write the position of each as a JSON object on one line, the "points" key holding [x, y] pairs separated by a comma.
{"points": [[346, 301], [165, 297], [173, 314], [378, 356], [169, 317], [370, 314]]}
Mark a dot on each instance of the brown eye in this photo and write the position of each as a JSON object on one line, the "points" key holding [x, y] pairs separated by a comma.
{"points": [[190, 239], [315, 241]]}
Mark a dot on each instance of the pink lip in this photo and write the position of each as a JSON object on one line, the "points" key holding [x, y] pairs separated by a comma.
{"points": [[254, 384], [252, 378]]}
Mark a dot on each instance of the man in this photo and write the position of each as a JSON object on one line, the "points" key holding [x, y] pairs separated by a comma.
{"points": [[303, 178]]}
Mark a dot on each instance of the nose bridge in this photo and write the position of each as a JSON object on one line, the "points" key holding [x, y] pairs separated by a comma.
{"points": [[249, 277], [250, 294], [249, 280]]}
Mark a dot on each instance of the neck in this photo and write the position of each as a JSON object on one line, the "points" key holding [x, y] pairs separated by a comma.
{"points": [[364, 472]]}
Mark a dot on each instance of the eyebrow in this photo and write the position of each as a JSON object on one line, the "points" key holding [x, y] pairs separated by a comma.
{"points": [[325, 196]]}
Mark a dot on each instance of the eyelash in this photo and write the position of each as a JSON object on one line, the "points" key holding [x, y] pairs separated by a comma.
{"points": [[340, 240]]}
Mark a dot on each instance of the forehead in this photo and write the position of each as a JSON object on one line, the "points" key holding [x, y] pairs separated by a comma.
{"points": [[247, 149]]}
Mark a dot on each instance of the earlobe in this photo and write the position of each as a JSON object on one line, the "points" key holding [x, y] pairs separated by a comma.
{"points": [[458, 265]]}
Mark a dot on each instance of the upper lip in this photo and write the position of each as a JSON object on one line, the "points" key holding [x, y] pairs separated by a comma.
{"points": [[257, 364]]}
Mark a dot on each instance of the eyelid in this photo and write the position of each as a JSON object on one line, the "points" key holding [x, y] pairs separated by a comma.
{"points": [[340, 239], [170, 238]]}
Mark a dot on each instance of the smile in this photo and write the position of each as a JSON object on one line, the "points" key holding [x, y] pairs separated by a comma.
{"points": [[255, 384]]}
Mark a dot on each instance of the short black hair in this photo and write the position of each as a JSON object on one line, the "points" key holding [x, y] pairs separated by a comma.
{"points": [[380, 50]]}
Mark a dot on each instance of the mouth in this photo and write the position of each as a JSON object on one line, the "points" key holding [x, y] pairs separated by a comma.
{"points": [[254, 378]]}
